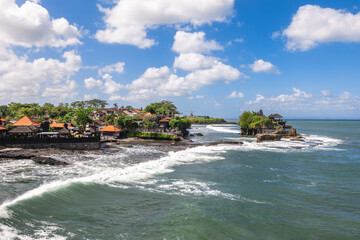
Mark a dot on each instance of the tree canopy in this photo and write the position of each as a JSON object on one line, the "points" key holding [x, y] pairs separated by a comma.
{"points": [[251, 120], [164, 107]]}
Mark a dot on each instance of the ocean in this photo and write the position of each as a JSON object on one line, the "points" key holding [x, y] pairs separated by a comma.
{"points": [[273, 190]]}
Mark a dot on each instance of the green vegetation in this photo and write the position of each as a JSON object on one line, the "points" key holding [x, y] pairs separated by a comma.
{"points": [[127, 123], [180, 124], [149, 135], [250, 120], [163, 108], [63, 113], [82, 118], [205, 120]]}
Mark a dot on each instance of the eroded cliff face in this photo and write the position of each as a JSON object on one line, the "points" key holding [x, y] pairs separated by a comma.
{"points": [[277, 135]]}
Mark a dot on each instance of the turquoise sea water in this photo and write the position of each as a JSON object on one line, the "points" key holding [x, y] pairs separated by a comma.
{"points": [[275, 190]]}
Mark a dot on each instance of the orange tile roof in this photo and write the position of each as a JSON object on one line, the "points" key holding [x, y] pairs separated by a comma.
{"points": [[110, 128], [3, 120], [57, 125], [2, 128], [26, 121]]}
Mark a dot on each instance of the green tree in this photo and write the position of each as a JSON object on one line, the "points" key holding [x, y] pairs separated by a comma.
{"points": [[110, 119], [148, 124], [180, 124], [126, 123], [245, 120], [82, 118], [164, 107]]}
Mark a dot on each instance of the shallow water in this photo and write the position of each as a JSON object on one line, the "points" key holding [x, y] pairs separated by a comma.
{"points": [[274, 190]]}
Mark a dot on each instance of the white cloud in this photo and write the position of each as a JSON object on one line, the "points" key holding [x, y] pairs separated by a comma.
{"points": [[22, 79], [312, 25], [91, 83], [128, 21], [325, 93], [162, 82], [196, 97], [235, 94], [88, 97], [308, 103], [117, 67], [61, 92], [31, 25], [193, 43], [262, 66], [111, 87], [194, 61]]}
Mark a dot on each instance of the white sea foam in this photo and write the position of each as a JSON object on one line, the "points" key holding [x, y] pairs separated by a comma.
{"points": [[222, 128], [127, 174], [191, 188], [45, 232]]}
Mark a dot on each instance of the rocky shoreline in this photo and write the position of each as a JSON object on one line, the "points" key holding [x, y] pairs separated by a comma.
{"points": [[43, 156]]}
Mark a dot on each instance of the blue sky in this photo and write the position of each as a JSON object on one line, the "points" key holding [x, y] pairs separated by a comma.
{"points": [[210, 57]]}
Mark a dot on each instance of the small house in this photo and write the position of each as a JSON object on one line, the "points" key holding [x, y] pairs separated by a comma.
{"points": [[26, 121], [24, 131], [110, 131], [2, 131], [3, 122]]}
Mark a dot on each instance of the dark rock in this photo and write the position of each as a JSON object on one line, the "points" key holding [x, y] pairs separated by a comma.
{"points": [[268, 137], [16, 155], [49, 161], [199, 134], [224, 142]]}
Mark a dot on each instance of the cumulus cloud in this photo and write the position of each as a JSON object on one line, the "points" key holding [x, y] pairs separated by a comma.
{"points": [[194, 61], [91, 83], [235, 94], [61, 92], [300, 100], [22, 79], [117, 67], [31, 25], [162, 82], [186, 42], [313, 25], [111, 87], [262, 66], [128, 21]]}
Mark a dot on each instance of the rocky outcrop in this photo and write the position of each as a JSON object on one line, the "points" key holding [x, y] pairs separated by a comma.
{"points": [[49, 161], [224, 142], [268, 137], [30, 154], [278, 135]]}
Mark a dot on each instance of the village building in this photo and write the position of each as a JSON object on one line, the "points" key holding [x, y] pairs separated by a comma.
{"points": [[64, 133], [58, 126], [109, 111], [3, 122], [98, 114], [24, 131], [277, 118], [110, 132], [2, 131], [26, 121]]}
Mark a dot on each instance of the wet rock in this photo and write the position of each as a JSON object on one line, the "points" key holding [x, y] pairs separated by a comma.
{"points": [[49, 161], [224, 142], [268, 137], [16, 155]]}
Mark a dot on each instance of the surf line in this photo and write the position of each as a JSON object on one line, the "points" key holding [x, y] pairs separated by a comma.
{"points": [[128, 174]]}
